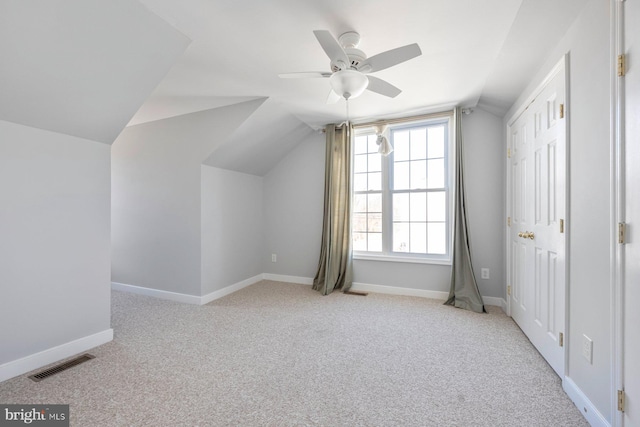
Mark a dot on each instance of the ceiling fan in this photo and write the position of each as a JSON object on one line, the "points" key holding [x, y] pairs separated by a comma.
{"points": [[350, 66]]}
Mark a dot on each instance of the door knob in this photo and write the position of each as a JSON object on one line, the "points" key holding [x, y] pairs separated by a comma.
{"points": [[520, 234]]}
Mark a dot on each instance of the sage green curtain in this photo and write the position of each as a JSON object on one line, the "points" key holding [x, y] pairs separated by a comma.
{"points": [[464, 291], [335, 265]]}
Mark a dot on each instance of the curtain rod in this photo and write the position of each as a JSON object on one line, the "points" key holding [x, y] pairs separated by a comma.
{"points": [[404, 119], [401, 120]]}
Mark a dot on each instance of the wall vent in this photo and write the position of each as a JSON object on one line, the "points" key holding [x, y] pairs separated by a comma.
{"points": [[61, 367]]}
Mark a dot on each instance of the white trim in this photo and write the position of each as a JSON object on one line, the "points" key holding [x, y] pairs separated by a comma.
{"points": [[587, 409], [617, 211], [54, 354], [393, 290], [156, 293], [288, 279], [185, 298], [205, 299], [363, 256], [389, 290], [496, 302], [422, 293]]}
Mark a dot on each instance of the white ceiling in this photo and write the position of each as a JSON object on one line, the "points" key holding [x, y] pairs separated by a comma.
{"points": [[473, 51], [84, 67], [81, 67]]}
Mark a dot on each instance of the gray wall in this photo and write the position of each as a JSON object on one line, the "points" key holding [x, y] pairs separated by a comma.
{"points": [[156, 206], [588, 224], [484, 170], [232, 234], [294, 204], [54, 250]]}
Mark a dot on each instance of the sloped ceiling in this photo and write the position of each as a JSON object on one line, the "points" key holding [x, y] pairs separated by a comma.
{"points": [[81, 67], [472, 50], [84, 67], [475, 53], [261, 141]]}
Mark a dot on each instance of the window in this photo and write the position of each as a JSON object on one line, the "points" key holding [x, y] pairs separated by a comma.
{"points": [[401, 203]]}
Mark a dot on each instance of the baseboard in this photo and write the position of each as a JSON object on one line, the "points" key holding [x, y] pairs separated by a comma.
{"points": [[288, 279], [364, 287], [157, 293], [393, 290], [423, 293], [205, 299], [588, 410], [54, 354], [185, 298], [497, 302]]}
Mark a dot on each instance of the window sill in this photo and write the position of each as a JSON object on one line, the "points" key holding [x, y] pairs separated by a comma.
{"points": [[395, 258]]}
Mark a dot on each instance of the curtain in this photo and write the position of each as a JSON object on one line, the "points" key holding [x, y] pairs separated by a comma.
{"points": [[335, 265], [464, 291]]}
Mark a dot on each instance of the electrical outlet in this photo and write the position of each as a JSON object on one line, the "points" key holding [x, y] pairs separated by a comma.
{"points": [[274, 258], [587, 348], [484, 272]]}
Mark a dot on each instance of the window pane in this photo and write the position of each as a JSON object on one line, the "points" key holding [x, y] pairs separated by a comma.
{"points": [[360, 163], [418, 174], [401, 237], [401, 207], [375, 164], [401, 176], [372, 146], [375, 203], [375, 242], [375, 223], [400, 146], [419, 144], [360, 145], [418, 203], [436, 206], [359, 202], [436, 173], [375, 181], [360, 182], [418, 243], [436, 142], [359, 222], [437, 238], [359, 241]]}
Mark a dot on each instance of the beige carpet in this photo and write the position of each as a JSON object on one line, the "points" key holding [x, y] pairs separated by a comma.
{"points": [[277, 354]]}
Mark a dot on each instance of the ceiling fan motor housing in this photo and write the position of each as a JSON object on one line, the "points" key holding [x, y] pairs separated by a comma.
{"points": [[356, 56]]}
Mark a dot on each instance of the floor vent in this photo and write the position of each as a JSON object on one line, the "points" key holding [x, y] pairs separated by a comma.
{"points": [[61, 367], [362, 294]]}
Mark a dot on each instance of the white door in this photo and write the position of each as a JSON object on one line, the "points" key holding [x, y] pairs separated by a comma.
{"points": [[631, 340], [537, 235]]}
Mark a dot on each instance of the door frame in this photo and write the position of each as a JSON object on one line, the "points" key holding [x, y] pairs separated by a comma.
{"points": [[617, 210], [561, 67]]}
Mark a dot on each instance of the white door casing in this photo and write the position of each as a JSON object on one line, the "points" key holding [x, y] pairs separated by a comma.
{"points": [[537, 208], [631, 216]]}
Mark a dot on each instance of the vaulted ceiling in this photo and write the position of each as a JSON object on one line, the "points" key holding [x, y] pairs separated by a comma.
{"points": [[88, 67], [474, 51]]}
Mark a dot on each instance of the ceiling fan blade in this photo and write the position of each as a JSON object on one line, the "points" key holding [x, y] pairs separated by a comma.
{"points": [[389, 58], [333, 97], [331, 47], [383, 88], [309, 74]]}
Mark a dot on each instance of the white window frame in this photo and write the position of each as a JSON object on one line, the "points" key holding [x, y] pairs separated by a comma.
{"points": [[387, 184]]}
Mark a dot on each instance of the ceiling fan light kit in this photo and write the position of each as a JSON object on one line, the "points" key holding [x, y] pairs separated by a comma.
{"points": [[348, 84]]}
